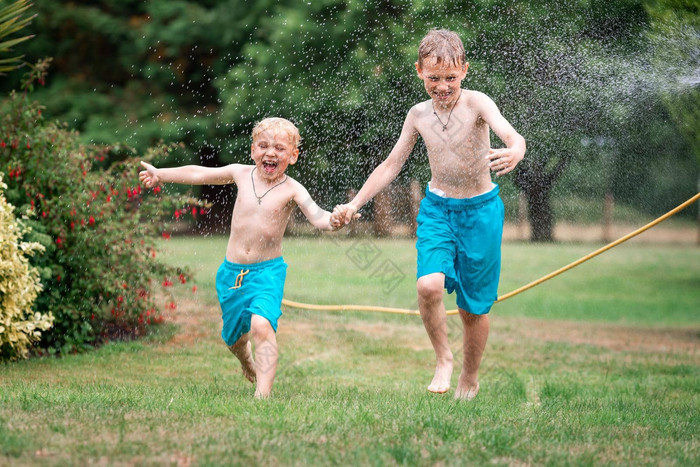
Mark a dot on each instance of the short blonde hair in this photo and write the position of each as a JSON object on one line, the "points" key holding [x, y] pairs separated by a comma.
{"points": [[444, 45], [278, 124]]}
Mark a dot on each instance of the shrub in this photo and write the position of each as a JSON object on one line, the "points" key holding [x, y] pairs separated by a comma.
{"points": [[100, 270], [19, 287]]}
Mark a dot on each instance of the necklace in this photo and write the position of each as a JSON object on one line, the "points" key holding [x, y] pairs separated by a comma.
{"points": [[444, 125], [253, 182]]}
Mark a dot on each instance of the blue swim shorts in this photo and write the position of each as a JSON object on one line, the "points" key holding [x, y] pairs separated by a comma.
{"points": [[461, 238], [247, 289]]}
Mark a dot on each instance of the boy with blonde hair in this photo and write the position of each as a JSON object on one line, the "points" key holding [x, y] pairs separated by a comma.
{"points": [[250, 282], [460, 222]]}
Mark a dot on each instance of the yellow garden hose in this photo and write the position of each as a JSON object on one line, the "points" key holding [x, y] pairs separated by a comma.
{"points": [[515, 292]]}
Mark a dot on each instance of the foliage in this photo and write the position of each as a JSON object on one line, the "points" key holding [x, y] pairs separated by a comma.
{"points": [[19, 287], [567, 75], [11, 21], [97, 226], [675, 34], [563, 74]]}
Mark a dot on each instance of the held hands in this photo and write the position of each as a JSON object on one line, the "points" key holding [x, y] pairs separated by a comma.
{"points": [[503, 160], [149, 176], [343, 214]]}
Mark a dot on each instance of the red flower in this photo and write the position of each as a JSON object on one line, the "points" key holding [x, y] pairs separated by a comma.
{"points": [[2, 144], [166, 235], [194, 289], [182, 279], [156, 189], [91, 221]]}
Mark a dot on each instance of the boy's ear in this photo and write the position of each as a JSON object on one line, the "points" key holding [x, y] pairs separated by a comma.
{"points": [[419, 70], [295, 156]]}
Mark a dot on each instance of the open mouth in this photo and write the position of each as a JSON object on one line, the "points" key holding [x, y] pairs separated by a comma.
{"points": [[269, 166]]}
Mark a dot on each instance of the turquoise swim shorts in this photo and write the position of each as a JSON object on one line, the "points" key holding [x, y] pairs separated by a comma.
{"points": [[461, 238], [247, 289]]}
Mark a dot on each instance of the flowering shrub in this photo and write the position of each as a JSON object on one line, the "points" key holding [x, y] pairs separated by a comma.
{"points": [[98, 226], [19, 287]]}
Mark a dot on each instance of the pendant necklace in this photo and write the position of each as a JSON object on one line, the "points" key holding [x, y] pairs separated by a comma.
{"points": [[444, 125], [253, 182]]}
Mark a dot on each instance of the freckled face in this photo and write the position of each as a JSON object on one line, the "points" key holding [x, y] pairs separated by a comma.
{"points": [[442, 80], [273, 152]]}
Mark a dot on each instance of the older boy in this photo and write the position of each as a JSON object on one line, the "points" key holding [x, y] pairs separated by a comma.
{"points": [[250, 282], [460, 221]]}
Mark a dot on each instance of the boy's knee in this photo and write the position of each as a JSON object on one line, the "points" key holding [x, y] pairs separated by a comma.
{"points": [[260, 327], [431, 286]]}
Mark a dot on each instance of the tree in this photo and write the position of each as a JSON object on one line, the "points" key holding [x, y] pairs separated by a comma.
{"points": [[12, 21]]}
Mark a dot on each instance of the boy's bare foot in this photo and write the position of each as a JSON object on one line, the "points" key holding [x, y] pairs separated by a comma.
{"points": [[441, 381], [242, 351], [467, 392]]}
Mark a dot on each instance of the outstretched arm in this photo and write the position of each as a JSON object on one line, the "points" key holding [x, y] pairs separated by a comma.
{"points": [[385, 172], [188, 174], [505, 159], [319, 218]]}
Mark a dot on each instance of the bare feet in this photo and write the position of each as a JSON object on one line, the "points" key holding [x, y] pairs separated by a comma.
{"points": [[242, 351], [467, 392], [441, 381]]}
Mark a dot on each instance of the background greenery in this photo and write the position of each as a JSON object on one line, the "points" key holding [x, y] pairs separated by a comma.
{"points": [[590, 368], [605, 92]]}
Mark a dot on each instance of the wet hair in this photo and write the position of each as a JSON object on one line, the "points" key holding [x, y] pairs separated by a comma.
{"points": [[278, 124], [444, 45]]}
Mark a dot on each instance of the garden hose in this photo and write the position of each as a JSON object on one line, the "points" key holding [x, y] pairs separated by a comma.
{"points": [[405, 311]]}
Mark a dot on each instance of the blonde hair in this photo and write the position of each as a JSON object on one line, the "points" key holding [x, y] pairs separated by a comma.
{"points": [[278, 124], [444, 45]]}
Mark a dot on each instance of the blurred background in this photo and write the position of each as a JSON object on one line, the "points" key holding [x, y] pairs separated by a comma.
{"points": [[606, 93]]}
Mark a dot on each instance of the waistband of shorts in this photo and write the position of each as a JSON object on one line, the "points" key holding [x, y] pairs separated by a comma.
{"points": [[261, 265], [463, 203]]}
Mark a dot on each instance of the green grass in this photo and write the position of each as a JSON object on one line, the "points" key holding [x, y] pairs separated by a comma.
{"points": [[634, 283], [599, 366]]}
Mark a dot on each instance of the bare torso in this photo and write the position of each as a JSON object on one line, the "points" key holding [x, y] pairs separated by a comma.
{"points": [[457, 155], [257, 229]]}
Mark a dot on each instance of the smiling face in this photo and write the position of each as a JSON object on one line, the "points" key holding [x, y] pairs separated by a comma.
{"points": [[442, 80], [273, 151]]}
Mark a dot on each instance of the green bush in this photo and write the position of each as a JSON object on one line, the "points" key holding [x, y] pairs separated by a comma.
{"points": [[100, 272], [19, 287]]}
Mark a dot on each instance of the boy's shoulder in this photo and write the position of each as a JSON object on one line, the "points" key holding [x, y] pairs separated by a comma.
{"points": [[469, 96]]}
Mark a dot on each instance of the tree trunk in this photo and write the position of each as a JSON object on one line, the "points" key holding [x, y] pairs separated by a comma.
{"points": [[217, 219], [382, 213], [608, 206], [540, 214]]}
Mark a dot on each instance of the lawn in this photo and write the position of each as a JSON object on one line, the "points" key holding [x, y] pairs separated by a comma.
{"points": [[600, 365]]}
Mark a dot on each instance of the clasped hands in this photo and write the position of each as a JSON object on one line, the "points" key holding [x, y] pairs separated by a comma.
{"points": [[343, 214]]}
